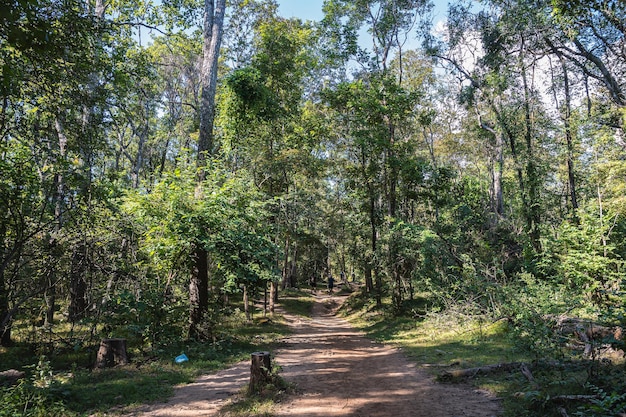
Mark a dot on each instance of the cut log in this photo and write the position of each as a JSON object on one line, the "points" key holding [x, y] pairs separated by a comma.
{"points": [[10, 377], [112, 352], [260, 371]]}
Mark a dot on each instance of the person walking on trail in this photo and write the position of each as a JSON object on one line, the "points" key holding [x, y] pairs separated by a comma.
{"points": [[331, 284]]}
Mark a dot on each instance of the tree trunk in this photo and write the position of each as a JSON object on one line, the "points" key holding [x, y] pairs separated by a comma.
{"points": [[212, 38], [246, 302], [498, 200], [5, 314], [569, 138], [374, 242], [369, 283], [260, 371], [273, 289], [198, 291], [286, 268], [533, 213], [112, 352], [78, 285], [293, 270]]}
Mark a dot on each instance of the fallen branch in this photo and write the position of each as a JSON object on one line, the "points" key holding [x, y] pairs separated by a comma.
{"points": [[487, 369], [574, 397], [440, 365], [526, 372], [523, 367]]}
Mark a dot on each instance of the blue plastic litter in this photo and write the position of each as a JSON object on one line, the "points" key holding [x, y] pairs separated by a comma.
{"points": [[181, 358]]}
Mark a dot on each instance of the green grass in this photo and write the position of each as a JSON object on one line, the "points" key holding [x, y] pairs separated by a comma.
{"points": [[297, 302], [447, 340], [261, 404], [70, 386]]}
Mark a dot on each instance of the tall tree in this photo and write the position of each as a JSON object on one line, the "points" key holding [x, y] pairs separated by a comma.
{"points": [[384, 107], [213, 27]]}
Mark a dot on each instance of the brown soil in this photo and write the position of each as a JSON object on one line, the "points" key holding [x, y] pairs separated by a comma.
{"points": [[336, 372]]}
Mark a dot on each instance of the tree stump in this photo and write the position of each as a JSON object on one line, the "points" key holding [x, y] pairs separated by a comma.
{"points": [[112, 352], [260, 371]]}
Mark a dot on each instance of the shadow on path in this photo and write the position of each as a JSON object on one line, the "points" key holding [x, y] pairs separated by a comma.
{"points": [[339, 372]]}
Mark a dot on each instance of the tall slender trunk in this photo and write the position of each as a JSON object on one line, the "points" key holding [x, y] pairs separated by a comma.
{"points": [[496, 166], [78, 285], [212, 39], [5, 314], [498, 199], [566, 115], [286, 268], [569, 138], [59, 199], [273, 296], [533, 216], [198, 291], [246, 302], [374, 267], [369, 283]]}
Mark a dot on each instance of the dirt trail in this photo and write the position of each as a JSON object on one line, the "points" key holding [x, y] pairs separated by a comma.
{"points": [[337, 372]]}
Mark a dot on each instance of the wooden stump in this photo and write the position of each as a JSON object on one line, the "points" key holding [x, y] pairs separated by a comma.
{"points": [[260, 371], [112, 352]]}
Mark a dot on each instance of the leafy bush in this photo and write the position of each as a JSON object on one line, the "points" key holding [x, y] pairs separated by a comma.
{"points": [[605, 405], [38, 396]]}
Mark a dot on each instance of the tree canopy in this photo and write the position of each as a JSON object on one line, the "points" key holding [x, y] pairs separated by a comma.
{"points": [[179, 153]]}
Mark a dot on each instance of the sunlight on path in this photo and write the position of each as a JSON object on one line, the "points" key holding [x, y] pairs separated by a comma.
{"points": [[338, 372], [202, 398]]}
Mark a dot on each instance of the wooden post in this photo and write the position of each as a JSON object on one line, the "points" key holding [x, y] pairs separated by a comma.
{"points": [[112, 352], [260, 371]]}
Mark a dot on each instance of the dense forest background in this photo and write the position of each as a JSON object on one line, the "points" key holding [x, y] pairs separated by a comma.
{"points": [[158, 158]]}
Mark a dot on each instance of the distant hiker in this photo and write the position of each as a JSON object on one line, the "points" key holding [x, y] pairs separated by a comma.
{"points": [[331, 284], [313, 283], [343, 277]]}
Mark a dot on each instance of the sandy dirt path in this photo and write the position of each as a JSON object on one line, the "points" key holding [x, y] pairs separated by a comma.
{"points": [[337, 372]]}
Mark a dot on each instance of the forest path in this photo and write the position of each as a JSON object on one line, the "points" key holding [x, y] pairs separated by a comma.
{"points": [[337, 371]]}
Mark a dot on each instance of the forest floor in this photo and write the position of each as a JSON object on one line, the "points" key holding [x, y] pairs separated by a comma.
{"points": [[336, 371]]}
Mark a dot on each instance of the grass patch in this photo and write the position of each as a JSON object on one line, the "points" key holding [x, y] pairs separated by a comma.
{"points": [[261, 404], [62, 383], [452, 339], [298, 303]]}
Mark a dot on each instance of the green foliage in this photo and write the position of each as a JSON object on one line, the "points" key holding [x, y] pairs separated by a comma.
{"points": [[254, 98], [529, 303], [151, 320], [37, 396], [605, 405], [582, 256]]}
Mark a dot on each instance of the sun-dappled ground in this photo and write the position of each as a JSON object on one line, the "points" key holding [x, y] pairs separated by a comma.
{"points": [[336, 371]]}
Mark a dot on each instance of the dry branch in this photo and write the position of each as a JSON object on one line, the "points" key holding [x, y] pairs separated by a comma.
{"points": [[487, 369]]}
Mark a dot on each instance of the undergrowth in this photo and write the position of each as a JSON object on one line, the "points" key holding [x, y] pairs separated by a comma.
{"points": [[63, 383], [458, 335]]}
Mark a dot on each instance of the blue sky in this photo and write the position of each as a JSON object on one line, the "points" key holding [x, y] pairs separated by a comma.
{"points": [[312, 9]]}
